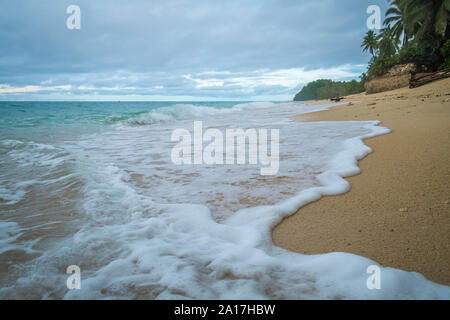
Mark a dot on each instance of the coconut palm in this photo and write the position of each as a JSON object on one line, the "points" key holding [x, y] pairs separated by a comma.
{"points": [[370, 42], [396, 17], [388, 43], [427, 17]]}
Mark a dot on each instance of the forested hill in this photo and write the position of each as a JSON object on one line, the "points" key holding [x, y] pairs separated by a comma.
{"points": [[326, 89]]}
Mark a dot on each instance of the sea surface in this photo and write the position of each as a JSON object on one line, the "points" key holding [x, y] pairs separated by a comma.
{"points": [[92, 184]]}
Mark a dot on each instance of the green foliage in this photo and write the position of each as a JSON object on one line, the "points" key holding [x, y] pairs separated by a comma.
{"points": [[396, 16], [445, 51], [426, 17], [424, 53], [364, 78], [325, 89], [378, 65], [388, 43], [423, 24], [370, 42]]}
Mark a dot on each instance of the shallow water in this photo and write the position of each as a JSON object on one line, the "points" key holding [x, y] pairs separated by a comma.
{"points": [[93, 185]]}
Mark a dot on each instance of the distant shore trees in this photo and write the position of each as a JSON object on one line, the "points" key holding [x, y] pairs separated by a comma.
{"points": [[326, 89]]}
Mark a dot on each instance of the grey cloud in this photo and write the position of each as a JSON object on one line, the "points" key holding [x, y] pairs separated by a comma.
{"points": [[141, 46]]}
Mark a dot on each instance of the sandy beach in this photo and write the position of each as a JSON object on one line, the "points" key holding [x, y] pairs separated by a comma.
{"points": [[398, 209]]}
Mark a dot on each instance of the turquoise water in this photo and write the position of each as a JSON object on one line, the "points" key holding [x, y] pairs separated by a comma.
{"points": [[46, 120]]}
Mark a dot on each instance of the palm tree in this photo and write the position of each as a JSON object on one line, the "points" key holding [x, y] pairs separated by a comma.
{"points": [[370, 42], [427, 17], [388, 43], [396, 16]]}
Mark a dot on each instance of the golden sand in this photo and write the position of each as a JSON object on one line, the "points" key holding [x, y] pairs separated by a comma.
{"points": [[398, 210]]}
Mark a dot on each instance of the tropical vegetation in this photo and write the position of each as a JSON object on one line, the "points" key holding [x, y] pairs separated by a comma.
{"points": [[415, 31], [326, 89]]}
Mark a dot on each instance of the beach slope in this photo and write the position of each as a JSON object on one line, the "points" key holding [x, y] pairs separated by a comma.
{"points": [[398, 209]]}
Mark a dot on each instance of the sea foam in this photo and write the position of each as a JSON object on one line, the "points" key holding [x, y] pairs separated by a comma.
{"points": [[149, 229]]}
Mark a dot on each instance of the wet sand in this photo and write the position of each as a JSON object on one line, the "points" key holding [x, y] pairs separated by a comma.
{"points": [[398, 209]]}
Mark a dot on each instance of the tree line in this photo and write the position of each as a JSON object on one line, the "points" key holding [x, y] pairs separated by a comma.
{"points": [[326, 89]]}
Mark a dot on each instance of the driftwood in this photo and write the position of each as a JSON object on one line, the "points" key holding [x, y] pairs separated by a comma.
{"points": [[427, 78], [337, 99]]}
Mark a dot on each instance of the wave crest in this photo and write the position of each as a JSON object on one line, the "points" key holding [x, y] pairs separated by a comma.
{"points": [[188, 111]]}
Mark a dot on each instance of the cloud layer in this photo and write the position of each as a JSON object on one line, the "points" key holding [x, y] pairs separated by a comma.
{"points": [[177, 49]]}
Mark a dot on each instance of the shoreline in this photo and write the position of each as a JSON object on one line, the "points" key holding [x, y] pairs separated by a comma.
{"points": [[398, 209]]}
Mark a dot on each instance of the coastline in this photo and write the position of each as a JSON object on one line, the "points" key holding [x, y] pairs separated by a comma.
{"points": [[398, 210]]}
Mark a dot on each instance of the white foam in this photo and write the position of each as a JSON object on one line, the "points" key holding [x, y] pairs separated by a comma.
{"points": [[10, 233], [154, 230], [11, 196]]}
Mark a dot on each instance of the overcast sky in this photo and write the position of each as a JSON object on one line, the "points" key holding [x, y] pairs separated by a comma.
{"points": [[178, 49]]}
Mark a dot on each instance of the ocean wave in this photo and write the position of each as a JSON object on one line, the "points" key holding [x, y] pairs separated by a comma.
{"points": [[10, 233], [149, 230], [11, 195], [188, 111], [28, 163]]}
